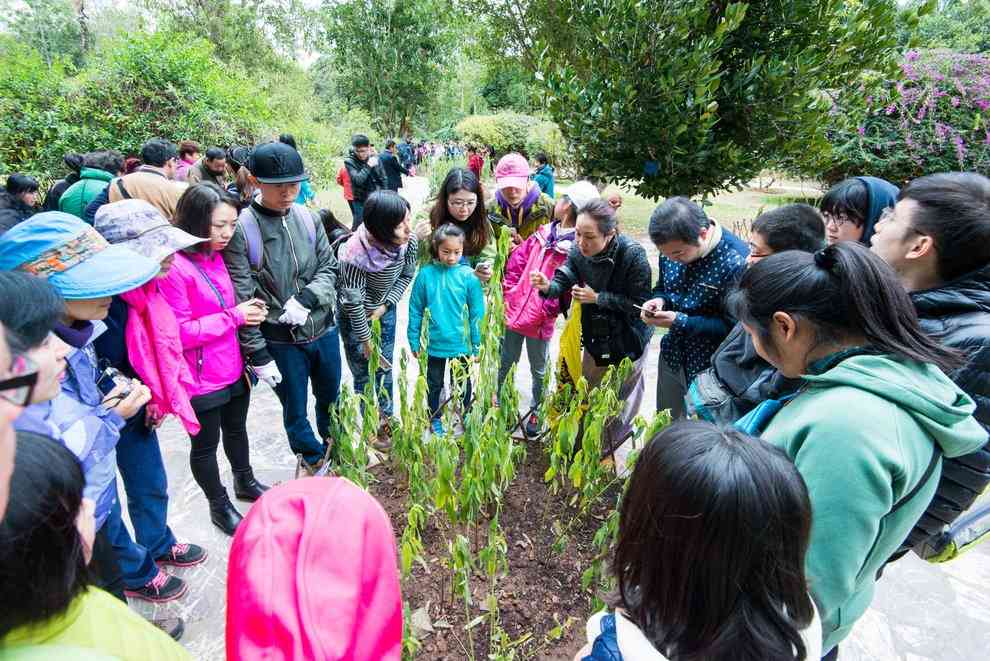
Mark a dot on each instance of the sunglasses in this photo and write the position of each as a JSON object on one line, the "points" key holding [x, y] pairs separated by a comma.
{"points": [[18, 387]]}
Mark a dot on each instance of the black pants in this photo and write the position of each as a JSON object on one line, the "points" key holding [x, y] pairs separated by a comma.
{"points": [[231, 419], [435, 370], [105, 566]]}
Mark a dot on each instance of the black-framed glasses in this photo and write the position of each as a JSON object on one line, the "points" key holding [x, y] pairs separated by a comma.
{"points": [[18, 387], [838, 219]]}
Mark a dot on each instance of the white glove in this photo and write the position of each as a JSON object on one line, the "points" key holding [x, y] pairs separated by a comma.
{"points": [[294, 313], [268, 373]]}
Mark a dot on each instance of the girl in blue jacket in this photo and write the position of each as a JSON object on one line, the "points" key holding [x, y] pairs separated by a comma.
{"points": [[445, 286]]}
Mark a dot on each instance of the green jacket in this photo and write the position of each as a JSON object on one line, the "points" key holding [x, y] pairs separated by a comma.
{"points": [[861, 436], [77, 197], [540, 214]]}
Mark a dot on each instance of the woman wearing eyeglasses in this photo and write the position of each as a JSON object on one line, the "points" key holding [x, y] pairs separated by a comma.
{"points": [[461, 201], [853, 207]]}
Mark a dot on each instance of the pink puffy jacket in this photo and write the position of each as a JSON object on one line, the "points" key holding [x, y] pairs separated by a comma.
{"points": [[313, 576], [208, 330], [526, 312]]}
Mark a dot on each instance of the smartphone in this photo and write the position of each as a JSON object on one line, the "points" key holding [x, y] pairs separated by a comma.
{"points": [[649, 313], [112, 378]]}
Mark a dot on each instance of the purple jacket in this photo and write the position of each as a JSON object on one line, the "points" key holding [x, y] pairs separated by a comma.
{"points": [[208, 330], [526, 312], [77, 419]]}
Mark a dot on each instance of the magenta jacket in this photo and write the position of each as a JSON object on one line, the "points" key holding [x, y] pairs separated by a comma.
{"points": [[208, 330], [526, 312], [313, 576]]}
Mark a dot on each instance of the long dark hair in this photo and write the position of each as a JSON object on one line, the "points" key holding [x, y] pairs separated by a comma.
{"points": [[844, 290], [477, 230], [194, 211], [42, 560], [713, 532]]}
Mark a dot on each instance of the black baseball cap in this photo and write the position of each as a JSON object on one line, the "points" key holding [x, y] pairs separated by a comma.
{"points": [[276, 163]]}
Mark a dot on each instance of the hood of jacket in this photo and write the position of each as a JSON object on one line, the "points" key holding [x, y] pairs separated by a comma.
{"points": [[95, 173], [939, 407], [881, 194], [313, 574]]}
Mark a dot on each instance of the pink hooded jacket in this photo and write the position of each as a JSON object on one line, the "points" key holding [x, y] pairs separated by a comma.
{"points": [[152, 339], [526, 312], [208, 330], [313, 576]]}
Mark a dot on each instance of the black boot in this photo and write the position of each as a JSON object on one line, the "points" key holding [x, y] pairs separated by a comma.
{"points": [[224, 515], [246, 487]]}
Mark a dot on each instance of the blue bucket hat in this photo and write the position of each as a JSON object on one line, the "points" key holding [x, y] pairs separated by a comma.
{"points": [[74, 257]]}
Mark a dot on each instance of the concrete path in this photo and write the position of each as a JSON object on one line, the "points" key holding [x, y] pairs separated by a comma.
{"points": [[921, 612]]}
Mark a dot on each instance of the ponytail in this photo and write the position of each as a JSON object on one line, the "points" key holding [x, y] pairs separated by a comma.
{"points": [[843, 290]]}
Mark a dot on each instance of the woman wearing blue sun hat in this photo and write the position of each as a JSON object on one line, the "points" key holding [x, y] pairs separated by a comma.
{"points": [[90, 411]]}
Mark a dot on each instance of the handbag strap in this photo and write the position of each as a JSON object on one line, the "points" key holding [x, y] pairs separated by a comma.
{"points": [[223, 303]]}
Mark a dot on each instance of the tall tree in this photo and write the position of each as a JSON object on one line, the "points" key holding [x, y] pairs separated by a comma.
{"points": [[254, 34], [694, 96], [390, 55], [49, 26]]}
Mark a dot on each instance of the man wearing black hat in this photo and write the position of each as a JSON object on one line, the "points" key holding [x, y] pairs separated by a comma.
{"points": [[280, 254]]}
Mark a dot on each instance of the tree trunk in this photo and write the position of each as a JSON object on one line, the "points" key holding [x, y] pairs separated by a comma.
{"points": [[83, 19]]}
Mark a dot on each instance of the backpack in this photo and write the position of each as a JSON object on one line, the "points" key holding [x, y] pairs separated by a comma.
{"points": [[252, 233]]}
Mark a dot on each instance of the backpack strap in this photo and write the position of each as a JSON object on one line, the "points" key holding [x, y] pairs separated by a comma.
{"points": [[921, 483], [310, 223], [122, 189], [252, 233]]}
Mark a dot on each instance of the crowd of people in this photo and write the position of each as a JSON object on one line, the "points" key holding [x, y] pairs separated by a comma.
{"points": [[828, 378]]}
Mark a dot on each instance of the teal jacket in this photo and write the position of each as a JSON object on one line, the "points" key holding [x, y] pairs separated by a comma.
{"points": [[77, 197], [445, 291], [544, 178], [861, 434]]}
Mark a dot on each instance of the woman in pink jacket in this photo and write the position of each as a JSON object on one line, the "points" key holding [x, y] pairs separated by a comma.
{"points": [[201, 294], [529, 317], [313, 576]]}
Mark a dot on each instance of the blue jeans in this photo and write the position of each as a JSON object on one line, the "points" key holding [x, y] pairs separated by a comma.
{"points": [[136, 564], [316, 362], [359, 364], [139, 459], [357, 214]]}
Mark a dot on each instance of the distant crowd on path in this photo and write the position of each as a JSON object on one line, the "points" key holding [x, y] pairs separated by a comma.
{"points": [[834, 367]]}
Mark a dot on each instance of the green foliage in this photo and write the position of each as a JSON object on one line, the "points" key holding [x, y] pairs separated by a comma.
{"points": [[51, 27], [253, 36], [507, 85], [691, 97], [389, 56], [933, 117], [510, 131], [133, 89], [959, 25]]}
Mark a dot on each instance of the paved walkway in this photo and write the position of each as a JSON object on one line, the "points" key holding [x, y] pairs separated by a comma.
{"points": [[921, 612]]}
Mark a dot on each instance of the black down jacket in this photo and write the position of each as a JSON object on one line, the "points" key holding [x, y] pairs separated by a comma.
{"points": [[958, 314]]}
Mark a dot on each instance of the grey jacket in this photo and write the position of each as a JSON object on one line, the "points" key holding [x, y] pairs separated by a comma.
{"points": [[291, 265]]}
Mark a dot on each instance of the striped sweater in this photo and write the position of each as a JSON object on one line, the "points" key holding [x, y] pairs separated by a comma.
{"points": [[361, 291]]}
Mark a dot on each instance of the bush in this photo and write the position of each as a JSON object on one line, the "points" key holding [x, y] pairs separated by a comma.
{"points": [[32, 107], [511, 131], [934, 118]]}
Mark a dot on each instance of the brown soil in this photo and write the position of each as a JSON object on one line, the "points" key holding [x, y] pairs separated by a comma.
{"points": [[540, 590]]}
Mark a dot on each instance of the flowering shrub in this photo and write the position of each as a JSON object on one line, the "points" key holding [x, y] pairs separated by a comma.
{"points": [[934, 118]]}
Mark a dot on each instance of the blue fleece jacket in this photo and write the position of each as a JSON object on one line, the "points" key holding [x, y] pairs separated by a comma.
{"points": [[445, 291]]}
